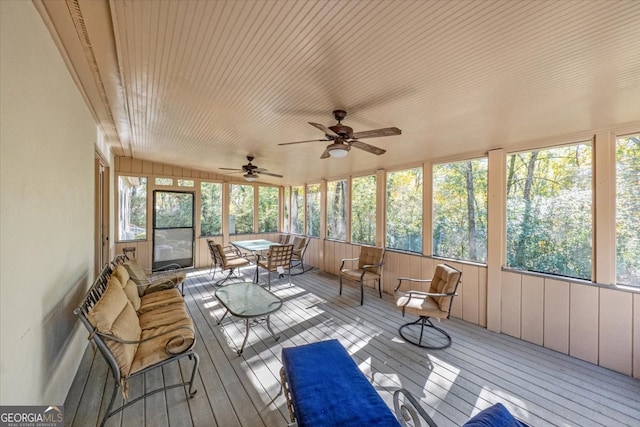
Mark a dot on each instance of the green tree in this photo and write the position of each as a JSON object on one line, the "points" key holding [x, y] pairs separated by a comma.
{"points": [[628, 210], [211, 215], [267, 209], [240, 209], [404, 210], [363, 210], [336, 209], [549, 221]]}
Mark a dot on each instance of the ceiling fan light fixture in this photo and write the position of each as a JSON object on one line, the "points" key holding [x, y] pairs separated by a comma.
{"points": [[338, 150], [250, 177]]}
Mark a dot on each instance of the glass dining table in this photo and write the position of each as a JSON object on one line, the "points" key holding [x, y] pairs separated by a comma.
{"points": [[248, 301], [255, 247]]}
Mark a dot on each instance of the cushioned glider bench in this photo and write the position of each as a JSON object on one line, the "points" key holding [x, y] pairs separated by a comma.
{"points": [[324, 387]]}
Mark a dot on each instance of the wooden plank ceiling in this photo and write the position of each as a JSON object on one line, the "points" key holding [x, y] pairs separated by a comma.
{"points": [[201, 84]]}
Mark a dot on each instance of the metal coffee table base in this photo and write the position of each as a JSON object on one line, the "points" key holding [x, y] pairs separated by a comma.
{"points": [[247, 323]]}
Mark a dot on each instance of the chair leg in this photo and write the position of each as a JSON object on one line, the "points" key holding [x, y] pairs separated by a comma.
{"points": [[379, 287], [340, 285], [196, 363], [424, 321], [107, 412], [361, 293]]}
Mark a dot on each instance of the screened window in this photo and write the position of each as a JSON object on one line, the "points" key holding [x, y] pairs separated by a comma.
{"points": [[460, 210], [267, 209], [164, 181], [297, 210], [287, 217], [404, 210], [363, 210], [549, 221], [313, 210], [211, 201], [186, 183], [240, 209], [132, 204], [337, 210], [628, 210]]}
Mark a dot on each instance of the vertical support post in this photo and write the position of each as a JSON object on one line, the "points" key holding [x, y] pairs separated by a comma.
{"points": [[427, 206], [496, 244], [604, 208], [381, 204], [225, 212]]}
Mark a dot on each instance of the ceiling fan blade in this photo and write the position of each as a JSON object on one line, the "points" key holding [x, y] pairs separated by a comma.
{"points": [[302, 142], [271, 174], [231, 169], [375, 133], [325, 155], [324, 129], [368, 148]]}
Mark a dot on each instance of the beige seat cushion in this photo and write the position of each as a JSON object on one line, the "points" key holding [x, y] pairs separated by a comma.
{"points": [[370, 256], [130, 287], [445, 280], [158, 299], [114, 315], [420, 305], [175, 338], [163, 316], [355, 275]]}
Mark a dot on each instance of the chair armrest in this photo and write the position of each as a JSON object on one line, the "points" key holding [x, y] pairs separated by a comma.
{"points": [[410, 411], [347, 259], [176, 336], [400, 279], [366, 266], [431, 294]]}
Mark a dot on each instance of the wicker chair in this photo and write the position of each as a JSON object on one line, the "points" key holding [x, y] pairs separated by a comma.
{"points": [[436, 303]]}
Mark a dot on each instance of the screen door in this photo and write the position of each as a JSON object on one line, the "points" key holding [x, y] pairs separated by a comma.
{"points": [[173, 229]]}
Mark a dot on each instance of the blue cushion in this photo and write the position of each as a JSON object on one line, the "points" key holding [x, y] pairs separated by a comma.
{"points": [[495, 416], [328, 389]]}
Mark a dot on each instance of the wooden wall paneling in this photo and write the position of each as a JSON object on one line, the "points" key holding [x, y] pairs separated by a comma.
{"points": [[404, 269], [158, 169], [583, 322], [471, 294], [482, 296], [136, 166], [556, 315], [177, 171], [428, 266], [636, 335], [125, 164], [167, 170], [390, 270], [415, 268], [144, 253], [147, 167], [616, 324], [511, 303], [532, 327], [328, 255]]}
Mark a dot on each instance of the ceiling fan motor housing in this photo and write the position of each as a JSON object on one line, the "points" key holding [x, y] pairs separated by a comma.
{"points": [[345, 132]]}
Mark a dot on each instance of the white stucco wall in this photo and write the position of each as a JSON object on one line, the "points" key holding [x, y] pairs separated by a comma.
{"points": [[47, 138]]}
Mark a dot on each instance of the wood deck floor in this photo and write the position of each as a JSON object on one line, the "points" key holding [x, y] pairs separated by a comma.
{"points": [[538, 385]]}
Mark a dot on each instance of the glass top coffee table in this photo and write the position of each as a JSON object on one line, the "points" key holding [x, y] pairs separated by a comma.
{"points": [[248, 301]]}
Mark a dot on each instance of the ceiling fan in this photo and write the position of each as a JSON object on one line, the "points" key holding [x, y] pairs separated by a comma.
{"points": [[252, 172], [343, 137]]}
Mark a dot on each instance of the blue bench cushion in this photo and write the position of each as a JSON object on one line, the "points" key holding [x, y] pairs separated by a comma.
{"points": [[494, 416], [328, 389]]}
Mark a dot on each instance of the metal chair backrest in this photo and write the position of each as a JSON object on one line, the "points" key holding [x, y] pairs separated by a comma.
{"points": [[279, 256]]}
